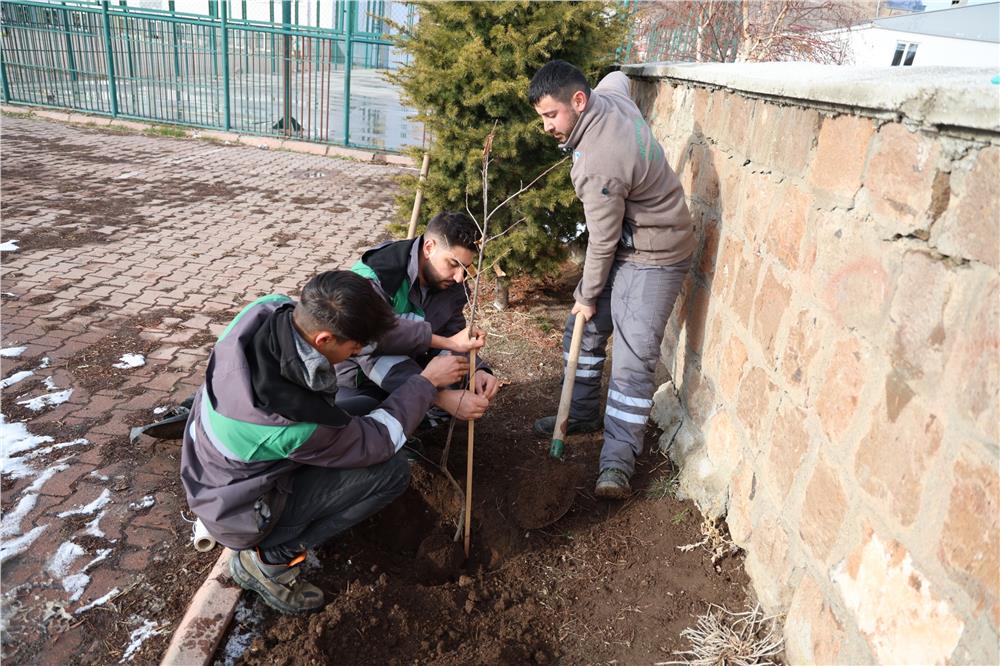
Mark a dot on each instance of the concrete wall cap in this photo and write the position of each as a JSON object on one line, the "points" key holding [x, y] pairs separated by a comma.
{"points": [[961, 97]]}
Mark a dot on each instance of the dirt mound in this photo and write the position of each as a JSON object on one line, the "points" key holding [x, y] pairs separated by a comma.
{"points": [[546, 493]]}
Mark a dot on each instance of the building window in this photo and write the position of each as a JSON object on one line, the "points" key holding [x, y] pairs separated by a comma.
{"points": [[904, 54]]}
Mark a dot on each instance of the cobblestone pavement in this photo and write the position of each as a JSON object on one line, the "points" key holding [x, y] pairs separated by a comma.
{"points": [[133, 244]]}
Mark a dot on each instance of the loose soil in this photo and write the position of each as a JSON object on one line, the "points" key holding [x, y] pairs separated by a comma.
{"points": [[606, 582]]}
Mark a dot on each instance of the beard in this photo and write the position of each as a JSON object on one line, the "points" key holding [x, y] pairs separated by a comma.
{"points": [[433, 280]]}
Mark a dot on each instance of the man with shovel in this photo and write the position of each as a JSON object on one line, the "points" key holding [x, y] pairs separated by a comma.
{"points": [[423, 279], [641, 239], [271, 462]]}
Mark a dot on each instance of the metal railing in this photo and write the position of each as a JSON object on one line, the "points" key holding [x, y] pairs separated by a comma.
{"points": [[252, 77]]}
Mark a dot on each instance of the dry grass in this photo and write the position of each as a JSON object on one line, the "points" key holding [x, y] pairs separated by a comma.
{"points": [[724, 638], [716, 540]]}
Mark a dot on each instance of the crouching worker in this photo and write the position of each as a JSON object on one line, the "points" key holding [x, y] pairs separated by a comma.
{"points": [[271, 463]]}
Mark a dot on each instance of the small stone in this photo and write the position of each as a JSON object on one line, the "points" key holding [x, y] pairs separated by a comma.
{"points": [[382, 580], [465, 581], [374, 568], [440, 647], [425, 645], [470, 606]]}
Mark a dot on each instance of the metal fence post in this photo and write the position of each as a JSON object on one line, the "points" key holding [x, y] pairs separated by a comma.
{"points": [[348, 58], [225, 67], [177, 59], [112, 88], [286, 75], [3, 77]]}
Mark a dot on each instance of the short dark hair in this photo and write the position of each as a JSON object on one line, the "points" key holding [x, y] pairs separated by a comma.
{"points": [[346, 305], [456, 228], [557, 79]]}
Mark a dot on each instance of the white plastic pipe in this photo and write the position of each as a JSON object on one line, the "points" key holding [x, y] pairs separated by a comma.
{"points": [[203, 541]]}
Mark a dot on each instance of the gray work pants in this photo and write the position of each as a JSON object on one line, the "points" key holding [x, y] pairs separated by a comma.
{"points": [[326, 501], [635, 305]]}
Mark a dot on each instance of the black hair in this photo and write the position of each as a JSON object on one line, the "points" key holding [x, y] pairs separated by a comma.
{"points": [[557, 79], [346, 305], [458, 229]]}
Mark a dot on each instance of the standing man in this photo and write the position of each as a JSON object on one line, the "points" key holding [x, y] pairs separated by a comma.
{"points": [[270, 462], [639, 251], [423, 280]]}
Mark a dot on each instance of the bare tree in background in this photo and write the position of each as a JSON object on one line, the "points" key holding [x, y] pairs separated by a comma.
{"points": [[743, 30]]}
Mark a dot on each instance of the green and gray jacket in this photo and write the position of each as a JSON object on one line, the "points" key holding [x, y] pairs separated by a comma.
{"points": [[405, 350], [239, 455], [632, 199]]}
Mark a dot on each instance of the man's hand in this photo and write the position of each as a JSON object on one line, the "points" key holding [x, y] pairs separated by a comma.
{"points": [[461, 343], [445, 370], [465, 341], [486, 384], [463, 405], [587, 311]]}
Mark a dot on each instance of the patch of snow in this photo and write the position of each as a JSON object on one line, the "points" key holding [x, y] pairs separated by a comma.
{"points": [[99, 477], [9, 246], [15, 378], [246, 627], [88, 509], [100, 601], [43, 478], [50, 384], [10, 525], [63, 558], [137, 637], [10, 548], [15, 438], [102, 554], [160, 410], [55, 447], [46, 362], [93, 528], [146, 502], [12, 352], [75, 585], [47, 400], [131, 361]]}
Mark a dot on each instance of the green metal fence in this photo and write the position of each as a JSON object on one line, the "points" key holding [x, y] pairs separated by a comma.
{"points": [[214, 71]]}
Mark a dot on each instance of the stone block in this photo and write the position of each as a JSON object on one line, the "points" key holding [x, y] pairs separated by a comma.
{"points": [[731, 369], [742, 493], [900, 178], [770, 307], [970, 541], [893, 458], [813, 634], [770, 561], [744, 288], [970, 227], [787, 452], [841, 155], [837, 398], [805, 338], [754, 398], [787, 224], [823, 510], [894, 606], [792, 150]]}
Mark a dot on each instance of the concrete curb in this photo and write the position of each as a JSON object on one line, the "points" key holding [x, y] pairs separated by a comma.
{"points": [[205, 622], [264, 142]]}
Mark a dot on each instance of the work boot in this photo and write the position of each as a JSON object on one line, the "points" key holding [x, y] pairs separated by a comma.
{"points": [[612, 483], [277, 584], [547, 424]]}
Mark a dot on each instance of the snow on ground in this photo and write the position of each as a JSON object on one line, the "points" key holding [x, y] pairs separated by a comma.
{"points": [[131, 361], [100, 601], [12, 352], [63, 558], [15, 378], [138, 636], [45, 362], [10, 524], [9, 246], [93, 528], [246, 627], [47, 400], [145, 503], [160, 410], [88, 509]]}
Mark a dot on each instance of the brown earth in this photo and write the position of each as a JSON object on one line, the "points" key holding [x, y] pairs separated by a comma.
{"points": [[606, 582]]}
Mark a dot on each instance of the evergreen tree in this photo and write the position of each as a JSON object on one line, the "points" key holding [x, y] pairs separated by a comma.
{"points": [[470, 68]]}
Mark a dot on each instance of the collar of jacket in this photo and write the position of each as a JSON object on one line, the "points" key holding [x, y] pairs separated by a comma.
{"points": [[394, 261], [595, 109]]}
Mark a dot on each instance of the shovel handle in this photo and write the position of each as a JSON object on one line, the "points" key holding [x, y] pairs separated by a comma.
{"points": [[562, 416]]}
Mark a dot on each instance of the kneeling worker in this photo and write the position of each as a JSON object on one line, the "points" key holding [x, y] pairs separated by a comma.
{"points": [[270, 462]]}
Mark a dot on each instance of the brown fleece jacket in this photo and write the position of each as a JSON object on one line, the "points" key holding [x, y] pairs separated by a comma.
{"points": [[633, 200]]}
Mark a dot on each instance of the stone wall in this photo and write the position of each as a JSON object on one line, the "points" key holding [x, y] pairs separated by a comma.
{"points": [[835, 351]]}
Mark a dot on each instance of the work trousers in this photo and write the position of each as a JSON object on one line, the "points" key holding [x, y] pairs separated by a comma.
{"points": [[635, 305]]}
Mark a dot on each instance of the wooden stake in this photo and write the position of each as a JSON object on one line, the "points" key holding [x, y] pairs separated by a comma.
{"points": [[424, 168], [468, 462]]}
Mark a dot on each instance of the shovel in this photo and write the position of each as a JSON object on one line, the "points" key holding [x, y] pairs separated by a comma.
{"points": [[546, 495]]}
